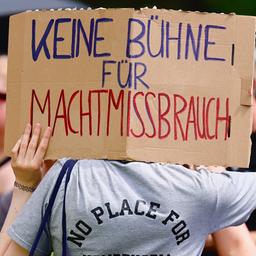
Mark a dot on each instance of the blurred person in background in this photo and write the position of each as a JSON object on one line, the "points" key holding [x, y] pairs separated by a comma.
{"points": [[6, 174]]}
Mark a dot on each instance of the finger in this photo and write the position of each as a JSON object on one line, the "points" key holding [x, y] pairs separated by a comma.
{"points": [[43, 146], [15, 150], [24, 142], [32, 146]]}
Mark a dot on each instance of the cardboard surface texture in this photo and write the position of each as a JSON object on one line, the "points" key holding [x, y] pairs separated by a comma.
{"points": [[150, 85]]}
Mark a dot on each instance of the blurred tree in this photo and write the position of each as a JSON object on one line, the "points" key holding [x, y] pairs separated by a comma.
{"points": [[174, 4], [246, 7]]}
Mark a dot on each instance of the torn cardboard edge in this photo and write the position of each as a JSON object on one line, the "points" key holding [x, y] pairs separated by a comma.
{"points": [[134, 9]]}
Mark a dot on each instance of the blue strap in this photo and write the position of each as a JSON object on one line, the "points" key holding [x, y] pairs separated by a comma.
{"points": [[64, 225], [68, 166]]}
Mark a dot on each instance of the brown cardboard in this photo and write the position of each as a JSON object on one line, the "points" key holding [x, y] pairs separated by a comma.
{"points": [[157, 117]]}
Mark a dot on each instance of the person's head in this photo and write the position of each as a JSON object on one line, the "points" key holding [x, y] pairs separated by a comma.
{"points": [[3, 79]]}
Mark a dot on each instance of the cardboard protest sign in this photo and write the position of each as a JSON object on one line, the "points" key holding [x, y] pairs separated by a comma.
{"points": [[150, 85]]}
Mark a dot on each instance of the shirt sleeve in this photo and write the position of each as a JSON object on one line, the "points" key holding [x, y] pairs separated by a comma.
{"points": [[24, 229], [234, 199]]}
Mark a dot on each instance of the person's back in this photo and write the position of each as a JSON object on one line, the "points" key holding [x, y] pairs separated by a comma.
{"points": [[135, 209]]}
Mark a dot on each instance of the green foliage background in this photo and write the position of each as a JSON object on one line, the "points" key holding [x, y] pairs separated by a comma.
{"points": [[246, 7]]}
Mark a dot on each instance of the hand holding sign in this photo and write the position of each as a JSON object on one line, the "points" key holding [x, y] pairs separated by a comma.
{"points": [[28, 154]]}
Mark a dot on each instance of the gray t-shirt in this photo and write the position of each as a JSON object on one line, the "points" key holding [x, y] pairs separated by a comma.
{"points": [[125, 209]]}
